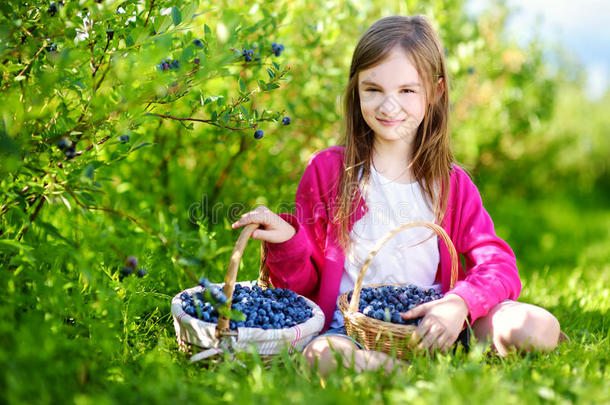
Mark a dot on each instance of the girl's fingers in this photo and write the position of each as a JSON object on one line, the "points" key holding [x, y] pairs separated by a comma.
{"points": [[416, 312], [430, 333], [252, 217]]}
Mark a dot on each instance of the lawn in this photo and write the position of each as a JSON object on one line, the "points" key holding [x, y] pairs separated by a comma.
{"points": [[119, 346]]}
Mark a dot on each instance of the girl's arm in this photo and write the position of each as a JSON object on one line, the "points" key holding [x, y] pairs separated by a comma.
{"points": [[491, 268]]}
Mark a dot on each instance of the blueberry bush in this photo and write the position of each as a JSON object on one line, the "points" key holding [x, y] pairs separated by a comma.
{"points": [[133, 132]]}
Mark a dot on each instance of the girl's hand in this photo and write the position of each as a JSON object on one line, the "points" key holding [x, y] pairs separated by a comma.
{"points": [[274, 228], [442, 321]]}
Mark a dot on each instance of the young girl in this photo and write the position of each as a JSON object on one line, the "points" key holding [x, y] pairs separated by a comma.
{"points": [[396, 166]]}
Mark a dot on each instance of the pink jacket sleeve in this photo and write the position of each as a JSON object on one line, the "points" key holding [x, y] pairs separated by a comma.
{"points": [[491, 269], [297, 262]]}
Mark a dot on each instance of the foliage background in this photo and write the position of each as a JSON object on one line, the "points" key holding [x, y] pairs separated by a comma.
{"points": [[72, 330]]}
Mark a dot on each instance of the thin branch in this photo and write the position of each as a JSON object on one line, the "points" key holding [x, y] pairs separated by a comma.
{"points": [[116, 212], [101, 141], [211, 122], [152, 4], [32, 61], [101, 57], [25, 229]]}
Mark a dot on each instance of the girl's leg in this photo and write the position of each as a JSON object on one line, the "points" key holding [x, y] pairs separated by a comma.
{"points": [[322, 351], [512, 324]]}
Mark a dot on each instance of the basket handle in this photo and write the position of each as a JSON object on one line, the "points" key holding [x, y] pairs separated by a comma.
{"points": [[222, 328], [353, 304]]}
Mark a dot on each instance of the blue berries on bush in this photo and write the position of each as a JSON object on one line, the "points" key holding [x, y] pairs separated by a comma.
{"points": [[168, 64], [132, 262], [247, 54], [286, 121], [52, 8], [258, 134], [130, 268], [277, 48], [70, 151], [126, 271], [63, 144], [124, 138], [51, 47], [387, 302], [198, 43], [267, 309]]}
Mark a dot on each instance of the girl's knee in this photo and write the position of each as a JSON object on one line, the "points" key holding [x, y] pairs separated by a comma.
{"points": [[527, 327], [541, 328], [322, 351], [316, 349]]}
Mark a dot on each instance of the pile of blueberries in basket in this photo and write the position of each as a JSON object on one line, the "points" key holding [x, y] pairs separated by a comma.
{"points": [[272, 308], [385, 303]]}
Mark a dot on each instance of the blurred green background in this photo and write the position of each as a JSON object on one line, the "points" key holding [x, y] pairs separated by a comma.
{"points": [[86, 73]]}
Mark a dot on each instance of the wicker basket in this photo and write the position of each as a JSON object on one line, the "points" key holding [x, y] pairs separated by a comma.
{"points": [[378, 335], [194, 334]]}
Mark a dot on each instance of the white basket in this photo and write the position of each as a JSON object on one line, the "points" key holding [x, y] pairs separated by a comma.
{"points": [[194, 333]]}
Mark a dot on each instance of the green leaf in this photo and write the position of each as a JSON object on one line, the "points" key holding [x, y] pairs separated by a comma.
{"points": [[89, 172], [237, 315], [206, 29], [271, 86], [176, 16], [271, 73], [52, 230], [66, 202], [242, 85], [141, 146], [189, 261], [8, 243]]}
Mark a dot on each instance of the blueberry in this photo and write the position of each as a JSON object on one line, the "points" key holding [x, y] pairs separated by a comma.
{"points": [[258, 134], [248, 58], [196, 61], [63, 144], [141, 273], [277, 48], [70, 152], [286, 121], [52, 9], [126, 271], [124, 138], [52, 47], [197, 42], [131, 262], [204, 282]]}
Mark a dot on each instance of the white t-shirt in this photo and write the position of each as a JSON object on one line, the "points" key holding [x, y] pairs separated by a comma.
{"points": [[403, 259]]}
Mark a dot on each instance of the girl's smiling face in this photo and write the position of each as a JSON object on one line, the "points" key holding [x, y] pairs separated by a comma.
{"points": [[392, 97]]}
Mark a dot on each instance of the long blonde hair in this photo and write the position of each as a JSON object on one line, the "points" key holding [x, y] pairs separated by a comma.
{"points": [[432, 157]]}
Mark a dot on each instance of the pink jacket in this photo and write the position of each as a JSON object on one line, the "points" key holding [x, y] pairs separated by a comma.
{"points": [[311, 262]]}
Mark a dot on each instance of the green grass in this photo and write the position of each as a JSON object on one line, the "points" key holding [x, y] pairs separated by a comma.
{"points": [[80, 336]]}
